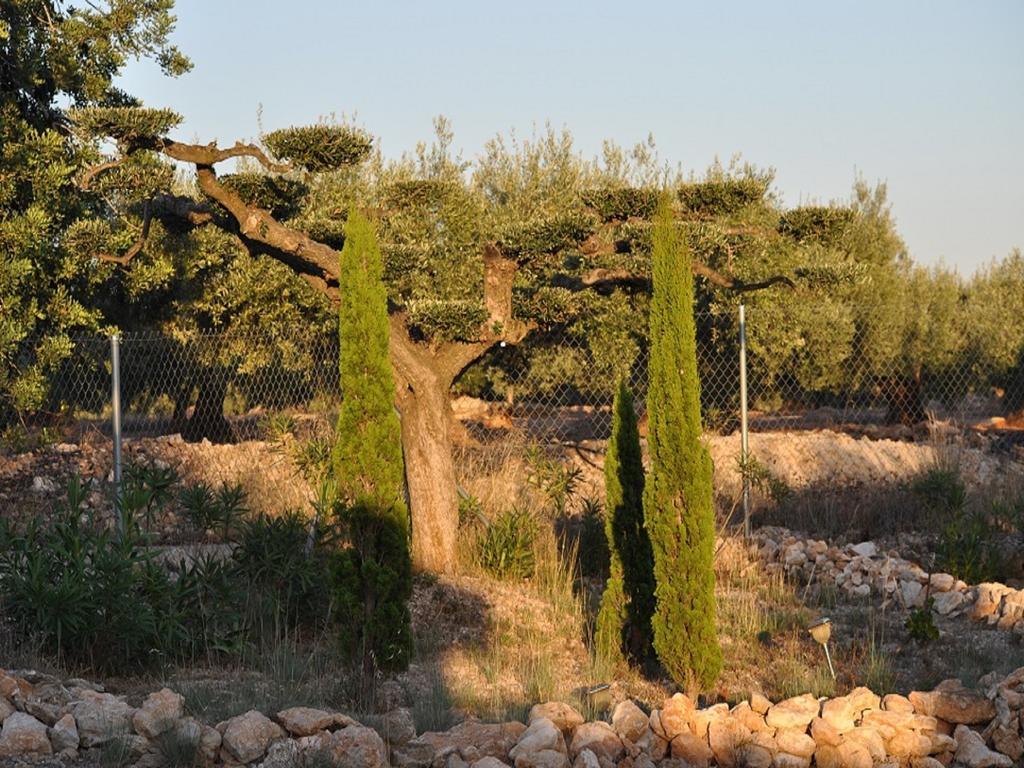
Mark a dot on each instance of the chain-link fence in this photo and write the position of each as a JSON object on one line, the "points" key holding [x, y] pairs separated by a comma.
{"points": [[554, 386]]}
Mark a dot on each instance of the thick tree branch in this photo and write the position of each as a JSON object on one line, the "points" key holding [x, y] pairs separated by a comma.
{"points": [[605, 277], [211, 154], [91, 173], [136, 247]]}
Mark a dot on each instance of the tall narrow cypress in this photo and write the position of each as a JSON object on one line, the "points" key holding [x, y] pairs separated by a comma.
{"points": [[373, 571], [624, 621], [678, 494]]}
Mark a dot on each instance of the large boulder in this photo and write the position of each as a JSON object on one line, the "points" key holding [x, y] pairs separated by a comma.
{"points": [[797, 712], [692, 750], [541, 735], [159, 712], [22, 735], [246, 737], [562, 715], [600, 739], [629, 721], [397, 727], [674, 717], [64, 735], [101, 717], [972, 752], [353, 747], [726, 736], [305, 721], [961, 706]]}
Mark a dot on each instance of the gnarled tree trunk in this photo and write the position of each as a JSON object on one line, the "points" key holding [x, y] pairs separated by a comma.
{"points": [[430, 474]]}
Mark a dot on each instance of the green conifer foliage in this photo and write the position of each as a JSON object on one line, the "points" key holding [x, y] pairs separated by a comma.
{"points": [[624, 621], [678, 493], [373, 574]]}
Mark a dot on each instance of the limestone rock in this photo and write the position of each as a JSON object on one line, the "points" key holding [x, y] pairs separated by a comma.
{"points": [[397, 727], [840, 713], [246, 737], [354, 747], [159, 713], [894, 702], [23, 735], [870, 739], [797, 712], [751, 719], [545, 758], [283, 753], [64, 734], [760, 704], [786, 760], [629, 721], [954, 706], [825, 734], [600, 739], [587, 759], [652, 745], [725, 736], [100, 717], [562, 715], [473, 739], [694, 751], [1008, 741], [304, 721], [488, 762], [794, 741], [675, 716], [972, 752], [541, 735]]}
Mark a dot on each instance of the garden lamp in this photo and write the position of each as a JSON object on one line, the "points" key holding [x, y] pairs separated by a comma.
{"points": [[821, 631]]}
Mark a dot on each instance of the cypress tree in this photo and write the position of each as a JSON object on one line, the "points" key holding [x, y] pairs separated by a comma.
{"points": [[678, 495], [624, 621], [373, 573]]}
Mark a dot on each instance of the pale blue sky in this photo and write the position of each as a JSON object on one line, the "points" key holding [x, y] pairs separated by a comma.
{"points": [[928, 96]]}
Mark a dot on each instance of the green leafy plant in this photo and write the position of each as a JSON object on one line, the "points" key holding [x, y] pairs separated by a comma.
{"points": [[763, 480], [556, 481], [921, 623], [507, 544], [87, 593]]}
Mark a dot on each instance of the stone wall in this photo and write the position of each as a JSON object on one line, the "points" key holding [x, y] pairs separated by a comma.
{"points": [[864, 569], [974, 728]]}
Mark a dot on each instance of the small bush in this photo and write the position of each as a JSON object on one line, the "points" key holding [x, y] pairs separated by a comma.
{"points": [[968, 537], [507, 545], [921, 623]]}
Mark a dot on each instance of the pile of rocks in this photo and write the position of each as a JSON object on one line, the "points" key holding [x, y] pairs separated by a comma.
{"points": [[864, 569], [950, 725]]}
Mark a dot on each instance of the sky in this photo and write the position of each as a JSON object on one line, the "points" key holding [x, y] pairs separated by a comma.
{"points": [[926, 96]]}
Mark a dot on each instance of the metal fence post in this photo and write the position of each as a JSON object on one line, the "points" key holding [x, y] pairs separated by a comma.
{"points": [[115, 401], [744, 437]]}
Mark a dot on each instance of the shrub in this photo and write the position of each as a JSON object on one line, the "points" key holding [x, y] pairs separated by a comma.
{"points": [[624, 620], [507, 545], [968, 542], [86, 594], [373, 573], [921, 623], [677, 501]]}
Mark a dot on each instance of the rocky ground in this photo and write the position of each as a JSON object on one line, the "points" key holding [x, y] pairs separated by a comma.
{"points": [[74, 719]]}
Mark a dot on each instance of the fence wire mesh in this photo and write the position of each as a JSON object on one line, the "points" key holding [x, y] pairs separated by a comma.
{"points": [[551, 387]]}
